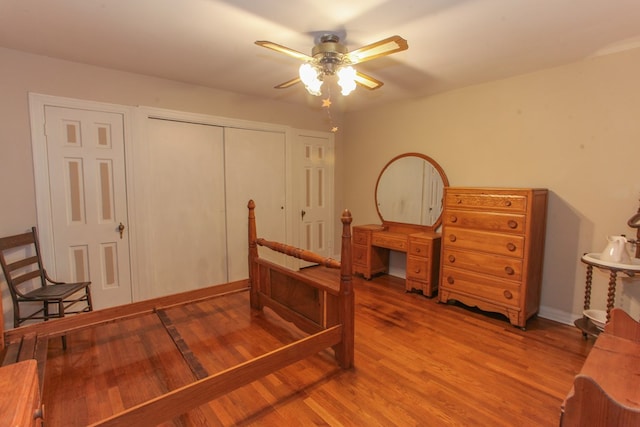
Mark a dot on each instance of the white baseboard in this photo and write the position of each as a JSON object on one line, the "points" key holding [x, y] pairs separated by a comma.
{"points": [[557, 315]]}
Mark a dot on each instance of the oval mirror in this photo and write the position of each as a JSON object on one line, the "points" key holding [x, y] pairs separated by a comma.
{"points": [[409, 190]]}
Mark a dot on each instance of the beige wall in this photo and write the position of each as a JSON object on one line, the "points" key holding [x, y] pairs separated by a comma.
{"points": [[23, 73], [574, 130]]}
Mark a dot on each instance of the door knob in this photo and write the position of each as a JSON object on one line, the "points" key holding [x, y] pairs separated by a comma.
{"points": [[121, 229]]}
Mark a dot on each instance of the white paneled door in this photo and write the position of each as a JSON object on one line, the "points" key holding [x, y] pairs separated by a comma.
{"points": [[315, 187], [85, 154]]}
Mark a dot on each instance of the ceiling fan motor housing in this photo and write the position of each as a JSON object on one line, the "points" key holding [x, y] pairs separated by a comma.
{"points": [[329, 53]]}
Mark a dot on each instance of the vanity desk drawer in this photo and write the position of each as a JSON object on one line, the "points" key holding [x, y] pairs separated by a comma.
{"points": [[417, 269], [419, 247], [361, 236], [385, 239]]}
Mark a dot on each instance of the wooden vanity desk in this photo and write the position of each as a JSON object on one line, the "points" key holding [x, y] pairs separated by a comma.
{"points": [[372, 243], [409, 194]]}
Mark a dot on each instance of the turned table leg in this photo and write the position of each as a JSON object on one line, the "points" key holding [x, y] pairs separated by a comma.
{"points": [[611, 294], [587, 288]]}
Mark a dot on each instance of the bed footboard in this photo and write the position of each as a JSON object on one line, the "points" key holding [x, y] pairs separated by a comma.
{"points": [[312, 305]]}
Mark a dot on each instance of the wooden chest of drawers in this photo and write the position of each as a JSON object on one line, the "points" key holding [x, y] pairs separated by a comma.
{"points": [[493, 249]]}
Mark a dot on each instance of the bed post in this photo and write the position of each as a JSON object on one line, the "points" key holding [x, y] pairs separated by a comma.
{"points": [[346, 303], [253, 255]]}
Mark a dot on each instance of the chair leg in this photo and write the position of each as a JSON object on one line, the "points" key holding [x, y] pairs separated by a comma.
{"points": [[61, 314], [89, 302]]}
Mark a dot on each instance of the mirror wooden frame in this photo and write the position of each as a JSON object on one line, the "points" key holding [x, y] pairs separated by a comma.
{"points": [[435, 165]]}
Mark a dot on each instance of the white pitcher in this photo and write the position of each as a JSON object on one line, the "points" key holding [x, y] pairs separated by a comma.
{"points": [[616, 250]]}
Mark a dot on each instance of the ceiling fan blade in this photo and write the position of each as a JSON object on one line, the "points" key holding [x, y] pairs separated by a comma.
{"points": [[367, 81], [288, 83], [380, 48], [283, 49]]}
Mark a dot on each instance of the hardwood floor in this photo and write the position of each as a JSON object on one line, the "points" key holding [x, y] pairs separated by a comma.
{"points": [[417, 362]]}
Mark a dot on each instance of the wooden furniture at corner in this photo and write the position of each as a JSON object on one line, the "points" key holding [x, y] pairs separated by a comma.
{"points": [[493, 249], [20, 397], [606, 392], [372, 243]]}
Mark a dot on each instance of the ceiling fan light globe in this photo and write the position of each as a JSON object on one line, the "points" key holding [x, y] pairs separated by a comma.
{"points": [[309, 76], [347, 79], [314, 89]]}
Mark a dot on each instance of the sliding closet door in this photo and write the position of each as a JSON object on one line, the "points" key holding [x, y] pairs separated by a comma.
{"points": [[182, 227], [255, 165]]}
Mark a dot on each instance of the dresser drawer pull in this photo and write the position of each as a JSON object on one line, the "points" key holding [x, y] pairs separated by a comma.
{"points": [[417, 270], [452, 259], [509, 270], [511, 247], [418, 250], [450, 280], [508, 295], [512, 224], [453, 218], [452, 238], [507, 203], [459, 201]]}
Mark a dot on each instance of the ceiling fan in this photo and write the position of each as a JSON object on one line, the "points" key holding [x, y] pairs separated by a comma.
{"points": [[330, 57]]}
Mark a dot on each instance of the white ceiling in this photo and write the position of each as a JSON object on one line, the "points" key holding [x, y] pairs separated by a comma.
{"points": [[452, 43]]}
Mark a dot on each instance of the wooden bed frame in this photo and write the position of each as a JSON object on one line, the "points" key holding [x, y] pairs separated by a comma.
{"points": [[323, 310]]}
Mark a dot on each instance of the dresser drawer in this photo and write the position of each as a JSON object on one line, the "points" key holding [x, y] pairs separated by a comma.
{"points": [[479, 200], [489, 221], [417, 268], [359, 254], [495, 265], [396, 241], [419, 248], [361, 237], [484, 241], [481, 286]]}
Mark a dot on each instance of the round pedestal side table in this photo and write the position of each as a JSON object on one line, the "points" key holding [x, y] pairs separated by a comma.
{"points": [[593, 260]]}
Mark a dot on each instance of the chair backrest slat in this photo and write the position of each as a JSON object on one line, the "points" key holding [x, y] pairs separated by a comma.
{"points": [[17, 241], [23, 263], [19, 256], [25, 277]]}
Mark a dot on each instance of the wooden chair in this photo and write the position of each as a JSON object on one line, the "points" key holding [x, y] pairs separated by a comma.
{"points": [[29, 283]]}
